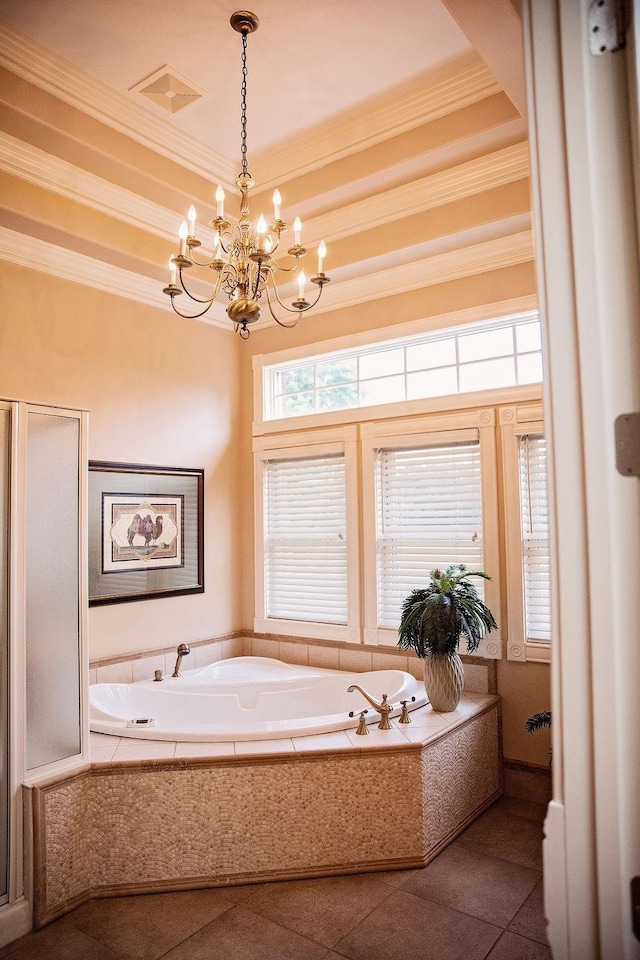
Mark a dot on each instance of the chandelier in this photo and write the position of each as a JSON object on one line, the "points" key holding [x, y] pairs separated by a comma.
{"points": [[243, 258]]}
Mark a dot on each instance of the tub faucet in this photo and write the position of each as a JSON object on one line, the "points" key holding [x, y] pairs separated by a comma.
{"points": [[183, 651], [383, 708]]}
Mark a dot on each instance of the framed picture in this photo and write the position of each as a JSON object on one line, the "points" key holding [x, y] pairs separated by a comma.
{"points": [[145, 532]]}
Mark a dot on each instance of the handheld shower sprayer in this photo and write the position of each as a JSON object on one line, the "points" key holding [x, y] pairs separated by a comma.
{"points": [[183, 651]]}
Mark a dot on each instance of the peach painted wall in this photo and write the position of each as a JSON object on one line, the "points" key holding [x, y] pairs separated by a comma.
{"points": [[525, 690], [160, 390]]}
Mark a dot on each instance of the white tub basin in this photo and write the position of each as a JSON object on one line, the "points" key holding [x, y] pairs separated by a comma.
{"points": [[245, 698]]}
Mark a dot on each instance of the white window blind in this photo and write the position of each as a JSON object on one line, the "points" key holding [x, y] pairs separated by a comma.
{"points": [[306, 539], [535, 538], [429, 514]]}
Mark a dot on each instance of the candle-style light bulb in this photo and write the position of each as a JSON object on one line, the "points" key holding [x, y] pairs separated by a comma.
{"points": [[191, 216], [183, 233], [173, 272], [297, 230], [220, 201], [261, 229], [216, 246], [268, 245], [322, 252], [277, 204], [301, 282]]}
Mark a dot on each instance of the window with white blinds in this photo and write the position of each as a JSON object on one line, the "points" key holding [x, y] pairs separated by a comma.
{"points": [[535, 538], [305, 549], [429, 514]]}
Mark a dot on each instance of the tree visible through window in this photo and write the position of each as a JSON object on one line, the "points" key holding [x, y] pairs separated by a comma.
{"points": [[499, 353]]}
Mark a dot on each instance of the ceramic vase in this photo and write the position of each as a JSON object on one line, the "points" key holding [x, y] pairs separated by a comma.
{"points": [[443, 680]]}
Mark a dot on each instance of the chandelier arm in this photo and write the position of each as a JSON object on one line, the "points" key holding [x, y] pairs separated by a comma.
{"points": [[189, 316], [199, 263], [299, 310], [286, 269], [281, 323], [209, 300]]}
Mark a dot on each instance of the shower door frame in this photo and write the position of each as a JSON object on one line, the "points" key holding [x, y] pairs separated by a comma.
{"points": [[15, 915]]}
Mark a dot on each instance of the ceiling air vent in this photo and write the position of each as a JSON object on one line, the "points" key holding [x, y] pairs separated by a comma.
{"points": [[168, 89]]}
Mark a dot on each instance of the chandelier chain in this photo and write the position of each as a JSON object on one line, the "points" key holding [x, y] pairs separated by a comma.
{"points": [[243, 115]]}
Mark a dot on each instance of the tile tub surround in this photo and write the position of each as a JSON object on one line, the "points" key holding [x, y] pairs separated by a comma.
{"points": [[479, 674], [145, 825]]}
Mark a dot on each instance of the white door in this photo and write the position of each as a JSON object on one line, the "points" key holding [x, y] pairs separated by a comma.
{"points": [[585, 227]]}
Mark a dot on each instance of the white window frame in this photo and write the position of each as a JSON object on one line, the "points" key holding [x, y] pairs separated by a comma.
{"points": [[516, 422], [305, 445], [497, 311], [472, 425]]}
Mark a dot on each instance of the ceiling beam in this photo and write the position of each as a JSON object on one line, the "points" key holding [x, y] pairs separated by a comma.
{"points": [[494, 29]]}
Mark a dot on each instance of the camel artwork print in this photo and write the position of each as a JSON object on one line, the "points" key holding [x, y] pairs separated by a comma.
{"points": [[145, 531], [141, 532]]}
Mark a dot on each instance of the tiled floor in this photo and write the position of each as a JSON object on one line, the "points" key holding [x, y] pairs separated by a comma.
{"points": [[481, 899]]}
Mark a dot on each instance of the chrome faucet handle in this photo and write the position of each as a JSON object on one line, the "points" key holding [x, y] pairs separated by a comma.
{"points": [[362, 725], [404, 716]]}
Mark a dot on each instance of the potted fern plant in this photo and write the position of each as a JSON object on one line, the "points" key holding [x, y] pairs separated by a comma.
{"points": [[433, 620]]}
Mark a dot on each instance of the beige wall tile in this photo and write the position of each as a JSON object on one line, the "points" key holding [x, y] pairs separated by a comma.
{"points": [[387, 661], [265, 647], [144, 668], [326, 657], [294, 653], [211, 653], [356, 661], [115, 673]]}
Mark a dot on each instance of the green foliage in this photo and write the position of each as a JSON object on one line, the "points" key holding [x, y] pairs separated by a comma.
{"points": [[538, 721], [316, 388], [435, 617]]}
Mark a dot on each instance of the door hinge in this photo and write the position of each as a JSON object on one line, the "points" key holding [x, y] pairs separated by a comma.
{"points": [[608, 24], [627, 438]]}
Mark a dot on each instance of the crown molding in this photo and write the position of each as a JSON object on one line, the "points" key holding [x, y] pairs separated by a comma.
{"points": [[460, 84], [466, 261], [474, 259], [49, 172], [69, 265], [40, 66], [464, 180], [465, 82]]}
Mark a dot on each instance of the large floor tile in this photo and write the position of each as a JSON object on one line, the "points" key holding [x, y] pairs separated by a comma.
{"points": [[58, 941], [499, 833], [512, 947], [524, 808], [324, 909], [529, 920], [405, 927], [240, 934], [395, 878], [480, 886], [145, 927]]}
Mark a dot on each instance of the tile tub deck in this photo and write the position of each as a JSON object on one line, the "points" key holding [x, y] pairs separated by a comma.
{"points": [[149, 816]]}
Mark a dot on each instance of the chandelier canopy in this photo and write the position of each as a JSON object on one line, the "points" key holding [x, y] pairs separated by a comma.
{"points": [[243, 257]]}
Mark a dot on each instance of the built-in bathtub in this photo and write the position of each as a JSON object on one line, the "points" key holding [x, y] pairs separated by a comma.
{"points": [[247, 698], [164, 816]]}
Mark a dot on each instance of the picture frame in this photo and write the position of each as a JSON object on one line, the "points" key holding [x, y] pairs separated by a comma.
{"points": [[145, 526]]}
